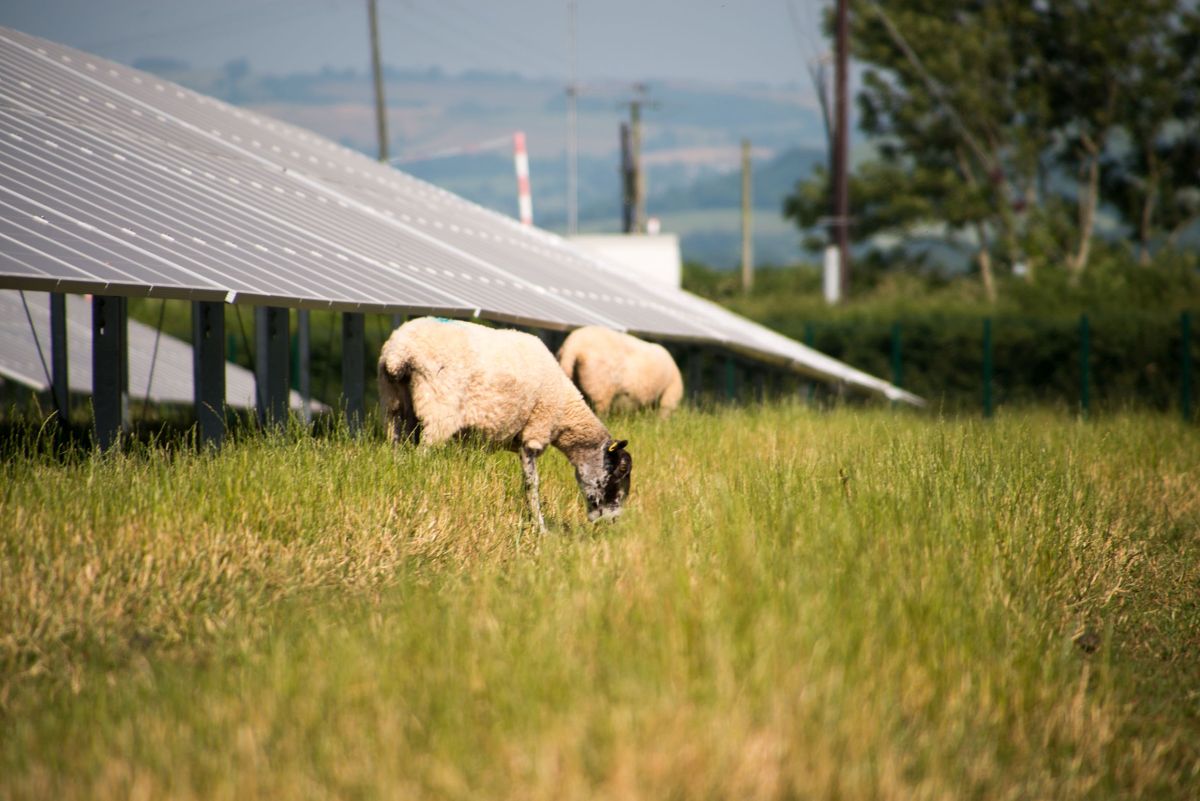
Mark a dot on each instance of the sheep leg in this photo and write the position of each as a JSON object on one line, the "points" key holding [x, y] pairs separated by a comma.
{"points": [[529, 466]]}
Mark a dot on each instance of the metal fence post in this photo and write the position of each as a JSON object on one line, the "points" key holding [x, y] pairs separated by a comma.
{"points": [[897, 363], [695, 376], [810, 337], [730, 378], [1085, 348], [1185, 383], [987, 366]]}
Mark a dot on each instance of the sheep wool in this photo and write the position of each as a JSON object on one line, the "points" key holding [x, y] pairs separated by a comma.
{"points": [[439, 378], [615, 370]]}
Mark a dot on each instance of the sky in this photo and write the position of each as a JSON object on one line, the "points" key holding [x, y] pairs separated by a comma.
{"points": [[762, 41]]}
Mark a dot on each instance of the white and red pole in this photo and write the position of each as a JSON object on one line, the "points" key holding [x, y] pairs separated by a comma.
{"points": [[521, 162]]}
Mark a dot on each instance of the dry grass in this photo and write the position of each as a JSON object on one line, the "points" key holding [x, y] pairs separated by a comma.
{"points": [[857, 605]]}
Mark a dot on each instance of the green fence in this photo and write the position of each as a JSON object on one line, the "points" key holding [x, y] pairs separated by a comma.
{"points": [[963, 363]]}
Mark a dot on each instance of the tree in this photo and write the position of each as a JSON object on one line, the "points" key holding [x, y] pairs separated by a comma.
{"points": [[997, 116], [1152, 177], [950, 118]]}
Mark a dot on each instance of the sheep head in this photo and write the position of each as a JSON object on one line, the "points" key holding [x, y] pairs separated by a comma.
{"points": [[605, 480]]}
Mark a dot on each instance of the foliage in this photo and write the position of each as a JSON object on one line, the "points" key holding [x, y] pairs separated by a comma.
{"points": [[1012, 124], [849, 604]]}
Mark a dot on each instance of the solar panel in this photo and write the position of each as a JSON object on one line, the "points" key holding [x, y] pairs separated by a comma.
{"points": [[116, 182], [160, 366]]}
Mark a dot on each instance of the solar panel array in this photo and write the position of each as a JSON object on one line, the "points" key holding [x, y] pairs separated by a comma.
{"points": [[160, 366], [114, 181]]}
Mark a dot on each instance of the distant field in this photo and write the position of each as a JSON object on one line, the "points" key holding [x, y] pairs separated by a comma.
{"points": [[857, 604]]}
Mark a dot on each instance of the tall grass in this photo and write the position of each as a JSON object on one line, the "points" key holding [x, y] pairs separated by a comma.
{"points": [[797, 604]]}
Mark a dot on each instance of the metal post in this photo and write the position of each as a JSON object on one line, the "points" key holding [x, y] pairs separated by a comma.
{"points": [[730, 378], [1085, 347], [353, 366], [1185, 384], [208, 370], [110, 358], [810, 337], [897, 362], [987, 366], [59, 385], [271, 364]]}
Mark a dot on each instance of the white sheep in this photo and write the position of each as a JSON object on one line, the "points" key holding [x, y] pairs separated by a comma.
{"points": [[439, 378], [617, 370]]}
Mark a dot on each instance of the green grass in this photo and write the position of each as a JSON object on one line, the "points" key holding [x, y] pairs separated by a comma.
{"points": [[852, 604]]}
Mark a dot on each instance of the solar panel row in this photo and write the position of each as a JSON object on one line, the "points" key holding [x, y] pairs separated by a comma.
{"points": [[113, 181]]}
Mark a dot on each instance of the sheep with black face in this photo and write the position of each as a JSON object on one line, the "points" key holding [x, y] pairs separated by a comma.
{"points": [[441, 378]]}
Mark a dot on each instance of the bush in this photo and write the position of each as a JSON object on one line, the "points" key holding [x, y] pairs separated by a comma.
{"points": [[1133, 311]]}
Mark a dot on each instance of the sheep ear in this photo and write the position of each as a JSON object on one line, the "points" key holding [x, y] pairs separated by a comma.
{"points": [[617, 445]]}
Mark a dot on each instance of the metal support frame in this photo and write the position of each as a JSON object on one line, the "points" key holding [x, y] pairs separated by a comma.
{"points": [[304, 362], [353, 369], [59, 384], [110, 368], [271, 364], [208, 370]]}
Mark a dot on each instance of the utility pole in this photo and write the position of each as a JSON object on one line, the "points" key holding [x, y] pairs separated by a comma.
{"points": [[747, 223], [638, 178], [841, 194], [628, 182], [377, 71], [572, 123]]}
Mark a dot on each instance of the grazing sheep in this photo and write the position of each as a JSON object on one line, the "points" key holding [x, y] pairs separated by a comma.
{"points": [[439, 378], [614, 369]]}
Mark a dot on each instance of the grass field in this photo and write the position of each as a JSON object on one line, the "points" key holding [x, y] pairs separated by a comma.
{"points": [[798, 604]]}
